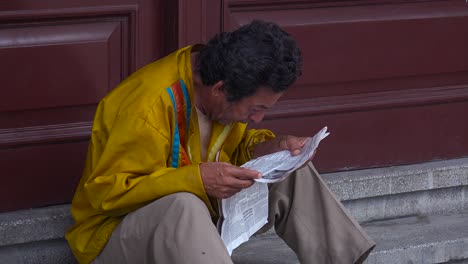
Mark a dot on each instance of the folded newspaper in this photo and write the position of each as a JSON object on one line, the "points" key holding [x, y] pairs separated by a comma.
{"points": [[246, 212]]}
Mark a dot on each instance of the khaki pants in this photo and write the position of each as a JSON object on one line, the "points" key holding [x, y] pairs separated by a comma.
{"points": [[178, 228]]}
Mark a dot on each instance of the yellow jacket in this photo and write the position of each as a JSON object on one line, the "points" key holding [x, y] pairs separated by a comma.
{"points": [[145, 144]]}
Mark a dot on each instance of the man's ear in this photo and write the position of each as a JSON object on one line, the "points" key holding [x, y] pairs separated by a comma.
{"points": [[217, 88]]}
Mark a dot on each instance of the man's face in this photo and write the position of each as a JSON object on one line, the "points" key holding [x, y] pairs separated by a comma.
{"points": [[248, 109]]}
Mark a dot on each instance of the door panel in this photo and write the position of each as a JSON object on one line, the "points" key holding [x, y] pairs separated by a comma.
{"points": [[58, 59], [389, 78]]}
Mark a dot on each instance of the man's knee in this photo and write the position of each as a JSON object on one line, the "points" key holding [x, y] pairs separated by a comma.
{"points": [[187, 202]]}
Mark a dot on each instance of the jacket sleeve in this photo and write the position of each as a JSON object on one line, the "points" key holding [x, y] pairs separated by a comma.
{"points": [[251, 137], [132, 170]]}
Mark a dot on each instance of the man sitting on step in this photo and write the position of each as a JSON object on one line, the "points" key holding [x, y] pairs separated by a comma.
{"points": [[150, 186]]}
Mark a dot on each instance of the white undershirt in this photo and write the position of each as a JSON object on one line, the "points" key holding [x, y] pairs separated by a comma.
{"points": [[204, 123]]}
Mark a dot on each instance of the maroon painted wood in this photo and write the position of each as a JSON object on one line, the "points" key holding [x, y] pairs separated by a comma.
{"points": [[58, 59], [39, 175], [389, 78]]}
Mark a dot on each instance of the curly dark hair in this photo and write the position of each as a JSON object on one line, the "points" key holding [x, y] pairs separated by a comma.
{"points": [[256, 54]]}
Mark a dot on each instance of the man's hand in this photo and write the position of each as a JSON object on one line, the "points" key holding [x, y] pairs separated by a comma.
{"points": [[222, 180], [291, 143]]}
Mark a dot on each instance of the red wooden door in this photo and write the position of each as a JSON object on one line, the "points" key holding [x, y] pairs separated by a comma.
{"points": [[388, 77], [57, 60]]}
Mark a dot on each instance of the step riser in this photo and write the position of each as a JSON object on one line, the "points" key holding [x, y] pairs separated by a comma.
{"points": [[44, 252], [34, 225], [406, 204], [446, 252], [362, 184]]}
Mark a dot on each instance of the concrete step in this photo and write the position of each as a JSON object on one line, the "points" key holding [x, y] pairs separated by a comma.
{"points": [[36, 235], [441, 238], [426, 188], [32, 225], [52, 251], [420, 239]]}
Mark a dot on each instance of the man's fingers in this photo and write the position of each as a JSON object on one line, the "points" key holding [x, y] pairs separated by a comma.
{"points": [[243, 173], [239, 183], [303, 141], [222, 180], [293, 144], [296, 143]]}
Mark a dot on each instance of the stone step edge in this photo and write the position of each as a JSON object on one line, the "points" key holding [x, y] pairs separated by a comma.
{"points": [[36, 224], [45, 252], [367, 183], [454, 250], [438, 238], [435, 201]]}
